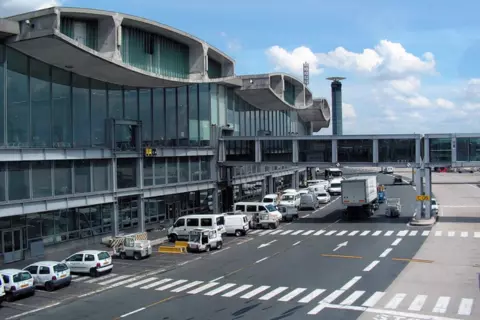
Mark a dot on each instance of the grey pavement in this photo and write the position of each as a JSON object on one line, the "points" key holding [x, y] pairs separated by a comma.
{"points": [[301, 266]]}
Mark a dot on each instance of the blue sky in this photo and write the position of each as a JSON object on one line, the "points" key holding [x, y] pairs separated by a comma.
{"points": [[411, 66]]}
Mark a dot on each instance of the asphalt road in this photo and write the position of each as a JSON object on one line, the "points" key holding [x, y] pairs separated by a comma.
{"points": [[318, 266]]}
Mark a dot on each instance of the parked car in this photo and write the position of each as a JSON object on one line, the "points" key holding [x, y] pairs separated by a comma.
{"points": [[92, 262], [17, 283], [2, 291], [50, 274]]}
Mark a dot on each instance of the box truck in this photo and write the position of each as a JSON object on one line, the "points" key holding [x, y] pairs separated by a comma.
{"points": [[359, 195]]}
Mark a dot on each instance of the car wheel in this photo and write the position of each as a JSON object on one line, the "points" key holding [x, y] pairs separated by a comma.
{"points": [[207, 249], [172, 237], [238, 233], [10, 298], [219, 245], [49, 286], [137, 256], [123, 255], [93, 273]]}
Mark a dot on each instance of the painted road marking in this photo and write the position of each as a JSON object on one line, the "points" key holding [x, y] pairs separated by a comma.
{"points": [[413, 233], [464, 234], [319, 232], [350, 283], [255, 231], [376, 233], [372, 301], [203, 288], [395, 301], [441, 305], [352, 298], [341, 233], [276, 231], [340, 256], [187, 286], [425, 233], [465, 308], [329, 233], [364, 233], [418, 303], [312, 295], [139, 283], [263, 233], [171, 285], [296, 243], [451, 233], [396, 242], [438, 233], [237, 290], [220, 289], [253, 293], [292, 294], [287, 232], [388, 233], [273, 293], [157, 283], [297, 232], [353, 233], [332, 296], [371, 266], [476, 234], [99, 279], [114, 280], [402, 233], [385, 253], [308, 232]]}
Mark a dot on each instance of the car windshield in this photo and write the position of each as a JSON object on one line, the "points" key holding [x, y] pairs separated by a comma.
{"points": [[434, 202], [194, 237], [335, 185], [287, 198], [22, 276], [270, 208], [267, 200], [103, 256], [60, 267]]}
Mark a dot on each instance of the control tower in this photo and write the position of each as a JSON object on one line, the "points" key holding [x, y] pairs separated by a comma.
{"points": [[337, 117]]}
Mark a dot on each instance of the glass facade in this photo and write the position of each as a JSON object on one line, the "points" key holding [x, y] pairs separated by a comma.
{"points": [[337, 114]]}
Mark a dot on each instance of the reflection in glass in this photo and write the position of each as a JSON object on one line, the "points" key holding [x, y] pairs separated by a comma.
{"points": [[183, 169], [41, 179], [63, 177], [440, 150], [205, 168], [99, 112], [182, 109], [18, 180], [204, 114], [396, 150], [2, 93], [214, 103], [2, 183], [81, 111], [360, 150], [468, 149], [148, 172], [40, 96], [126, 173], [131, 103], [62, 109], [145, 106], [82, 176], [125, 137], [18, 111], [171, 117], [100, 175], [115, 102], [193, 115], [195, 173], [160, 171], [158, 117], [172, 170]]}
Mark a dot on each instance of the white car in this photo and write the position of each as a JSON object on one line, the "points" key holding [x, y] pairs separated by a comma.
{"points": [[335, 187], [388, 170], [323, 197], [17, 283], [92, 262], [50, 274], [2, 291]]}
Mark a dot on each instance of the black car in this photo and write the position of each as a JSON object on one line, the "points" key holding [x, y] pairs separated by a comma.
{"points": [[397, 179]]}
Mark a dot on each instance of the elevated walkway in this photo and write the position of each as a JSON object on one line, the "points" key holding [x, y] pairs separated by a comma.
{"points": [[401, 151]]}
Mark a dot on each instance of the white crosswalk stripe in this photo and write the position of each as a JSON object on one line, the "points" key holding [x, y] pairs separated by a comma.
{"points": [[102, 278], [341, 233], [438, 233], [237, 290], [312, 295], [276, 231], [286, 232], [80, 278], [364, 233], [308, 232], [376, 233], [413, 233], [203, 288], [441, 305], [402, 233], [255, 231], [388, 233], [114, 280], [139, 283], [395, 301], [273, 293], [332, 296], [465, 308], [464, 234], [156, 283], [292, 294], [220, 289], [297, 232], [187, 286], [426, 233], [171, 285], [254, 292], [374, 298], [353, 233], [418, 303], [352, 298], [265, 232], [329, 233], [319, 232]]}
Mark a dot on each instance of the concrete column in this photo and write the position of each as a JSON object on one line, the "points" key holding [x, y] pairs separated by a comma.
{"points": [[334, 151], [419, 189], [271, 186], [264, 186], [428, 192], [296, 180], [454, 149], [258, 151], [215, 207], [313, 173], [375, 151], [115, 220], [141, 213]]}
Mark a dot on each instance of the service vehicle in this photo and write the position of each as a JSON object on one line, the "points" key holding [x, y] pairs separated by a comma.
{"points": [[314, 182], [394, 208], [204, 240], [265, 220], [17, 283], [288, 213], [359, 195], [250, 208], [304, 191], [397, 180], [50, 275], [131, 246], [308, 201], [323, 197], [92, 262], [335, 187], [290, 199], [237, 224], [388, 170], [270, 198], [289, 191], [183, 225], [333, 173]]}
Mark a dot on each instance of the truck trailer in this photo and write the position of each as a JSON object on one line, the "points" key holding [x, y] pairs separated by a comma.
{"points": [[359, 195]]}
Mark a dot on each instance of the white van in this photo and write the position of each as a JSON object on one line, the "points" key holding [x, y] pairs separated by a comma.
{"points": [[270, 198], [237, 224], [335, 187], [290, 199], [289, 191], [249, 208], [182, 227]]}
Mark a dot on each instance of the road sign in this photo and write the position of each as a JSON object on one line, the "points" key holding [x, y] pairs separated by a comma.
{"points": [[150, 152], [423, 198]]}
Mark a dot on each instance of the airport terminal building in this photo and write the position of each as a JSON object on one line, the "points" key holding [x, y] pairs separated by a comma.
{"points": [[110, 122]]}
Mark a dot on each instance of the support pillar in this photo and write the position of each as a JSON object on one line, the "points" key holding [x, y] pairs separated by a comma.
{"points": [[115, 220], [428, 192], [313, 174], [296, 180], [419, 189], [141, 213], [271, 186], [215, 196]]}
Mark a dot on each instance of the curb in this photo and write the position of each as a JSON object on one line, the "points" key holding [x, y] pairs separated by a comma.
{"points": [[423, 223], [158, 241]]}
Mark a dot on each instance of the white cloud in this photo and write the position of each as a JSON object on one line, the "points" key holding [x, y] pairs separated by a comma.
{"points": [[416, 100], [444, 103], [473, 89], [405, 86], [348, 111], [293, 61], [233, 44], [387, 60], [13, 7]]}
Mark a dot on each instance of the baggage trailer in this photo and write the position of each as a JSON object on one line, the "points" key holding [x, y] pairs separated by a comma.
{"points": [[359, 195]]}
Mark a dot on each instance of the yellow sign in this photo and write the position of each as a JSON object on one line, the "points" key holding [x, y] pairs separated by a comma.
{"points": [[423, 198], [149, 152]]}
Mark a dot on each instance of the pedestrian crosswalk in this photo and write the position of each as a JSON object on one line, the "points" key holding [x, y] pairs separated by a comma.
{"points": [[344, 296], [363, 233]]}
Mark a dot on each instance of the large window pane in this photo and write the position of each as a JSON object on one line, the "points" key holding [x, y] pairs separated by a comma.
{"points": [[183, 169], [182, 116], [2, 180], [2, 93], [40, 96], [205, 168], [204, 114], [171, 116], [18, 113], [159, 117], [230, 115], [222, 109], [98, 97], [172, 170], [81, 111], [18, 180], [126, 173], [145, 102], [193, 115], [41, 179], [131, 104], [62, 109], [63, 177], [160, 170], [195, 173], [100, 175], [214, 103], [115, 102], [82, 176], [148, 172]]}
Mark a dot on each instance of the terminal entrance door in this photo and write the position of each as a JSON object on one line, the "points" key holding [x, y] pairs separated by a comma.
{"points": [[173, 211], [12, 241]]}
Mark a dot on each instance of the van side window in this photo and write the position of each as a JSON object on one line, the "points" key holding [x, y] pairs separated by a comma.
{"points": [[220, 221], [251, 208], [240, 207], [32, 269], [6, 279], [89, 257], [262, 208], [245, 220], [44, 270], [192, 222], [206, 222], [180, 223]]}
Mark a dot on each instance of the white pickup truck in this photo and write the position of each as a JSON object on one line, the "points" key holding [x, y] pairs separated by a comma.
{"points": [[359, 195]]}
